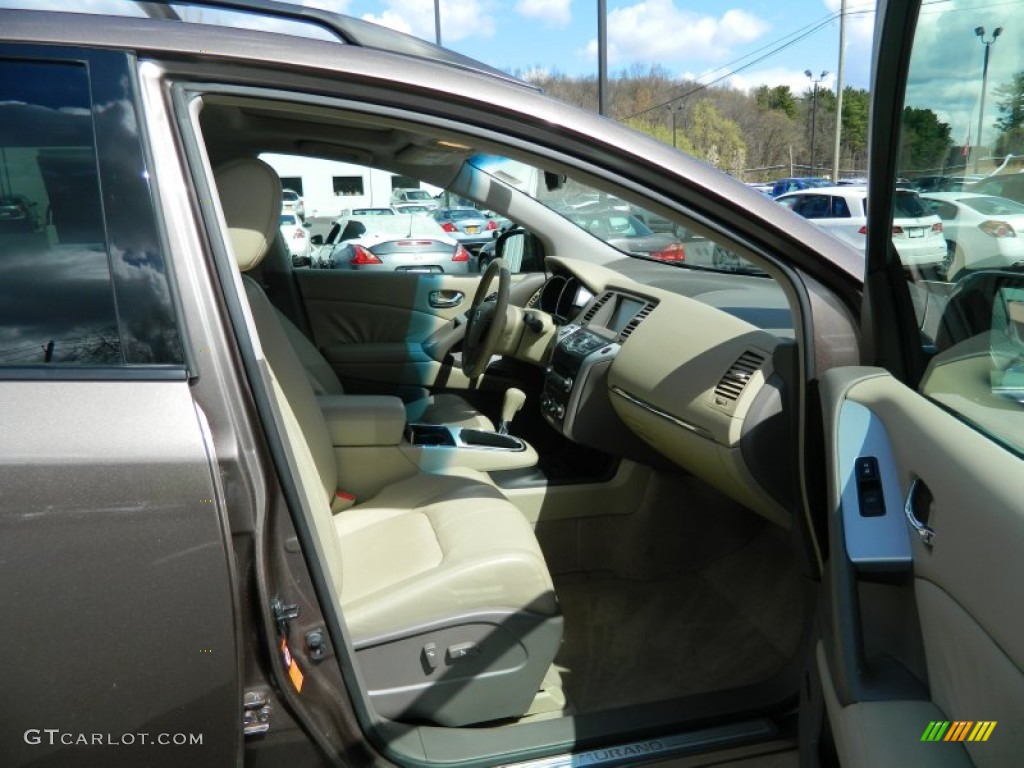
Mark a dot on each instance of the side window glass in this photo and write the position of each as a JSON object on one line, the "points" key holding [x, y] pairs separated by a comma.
{"points": [[75, 290], [960, 244], [57, 302], [840, 210]]}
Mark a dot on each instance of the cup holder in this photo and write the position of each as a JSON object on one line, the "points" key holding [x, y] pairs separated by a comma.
{"points": [[478, 438], [452, 437], [429, 434]]}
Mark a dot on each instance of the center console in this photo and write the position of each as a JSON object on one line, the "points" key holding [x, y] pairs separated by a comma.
{"points": [[574, 399]]}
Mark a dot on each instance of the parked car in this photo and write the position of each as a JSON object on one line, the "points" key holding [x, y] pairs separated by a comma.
{"points": [[400, 243], [627, 233], [1009, 185], [416, 209], [17, 214], [291, 202], [468, 226], [843, 212], [296, 238], [782, 186], [586, 508], [378, 211], [981, 231], [420, 197]]}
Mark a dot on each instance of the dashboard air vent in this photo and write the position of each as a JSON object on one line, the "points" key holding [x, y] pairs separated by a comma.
{"points": [[638, 318], [739, 373], [594, 307]]}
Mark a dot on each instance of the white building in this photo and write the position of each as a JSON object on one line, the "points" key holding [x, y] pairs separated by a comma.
{"points": [[328, 187]]}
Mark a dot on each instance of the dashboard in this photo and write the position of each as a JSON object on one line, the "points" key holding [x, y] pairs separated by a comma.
{"points": [[637, 370]]}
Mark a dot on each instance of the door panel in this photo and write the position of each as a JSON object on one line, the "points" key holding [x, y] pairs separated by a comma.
{"points": [[394, 328], [116, 579], [969, 489]]}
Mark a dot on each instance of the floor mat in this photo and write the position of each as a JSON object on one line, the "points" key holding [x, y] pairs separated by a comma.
{"points": [[734, 622]]}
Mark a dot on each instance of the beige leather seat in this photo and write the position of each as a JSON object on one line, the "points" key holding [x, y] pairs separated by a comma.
{"points": [[440, 579]]}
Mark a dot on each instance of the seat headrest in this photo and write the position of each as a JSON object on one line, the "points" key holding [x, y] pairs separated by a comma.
{"points": [[250, 196]]}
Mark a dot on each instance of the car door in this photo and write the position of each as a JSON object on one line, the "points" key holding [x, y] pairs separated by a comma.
{"points": [[922, 644], [118, 581]]}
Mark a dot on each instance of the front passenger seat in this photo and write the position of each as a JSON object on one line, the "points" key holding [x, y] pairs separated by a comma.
{"points": [[440, 580]]}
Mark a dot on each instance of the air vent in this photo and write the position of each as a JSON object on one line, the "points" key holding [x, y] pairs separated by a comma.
{"points": [[739, 373], [594, 307], [637, 319]]}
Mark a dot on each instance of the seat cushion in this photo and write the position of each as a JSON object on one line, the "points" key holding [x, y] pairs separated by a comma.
{"points": [[435, 547], [447, 409]]}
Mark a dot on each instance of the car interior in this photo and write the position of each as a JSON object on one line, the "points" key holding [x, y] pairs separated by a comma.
{"points": [[625, 556]]}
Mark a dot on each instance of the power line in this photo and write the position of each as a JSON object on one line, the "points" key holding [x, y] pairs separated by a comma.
{"points": [[790, 40]]}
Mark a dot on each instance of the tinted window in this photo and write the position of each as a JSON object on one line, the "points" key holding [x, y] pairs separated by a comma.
{"points": [[908, 206], [82, 280], [840, 210]]}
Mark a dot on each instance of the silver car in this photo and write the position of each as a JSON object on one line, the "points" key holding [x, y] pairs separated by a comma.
{"points": [[400, 243], [467, 225]]}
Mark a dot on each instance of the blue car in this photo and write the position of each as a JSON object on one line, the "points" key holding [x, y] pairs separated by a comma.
{"points": [[782, 186]]}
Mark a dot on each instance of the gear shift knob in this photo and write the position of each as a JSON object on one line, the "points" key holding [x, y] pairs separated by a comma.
{"points": [[514, 399]]}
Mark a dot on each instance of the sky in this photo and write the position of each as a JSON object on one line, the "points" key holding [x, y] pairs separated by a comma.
{"points": [[741, 43]]}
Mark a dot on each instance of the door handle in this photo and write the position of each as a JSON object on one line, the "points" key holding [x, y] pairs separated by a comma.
{"points": [[919, 496], [446, 299]]}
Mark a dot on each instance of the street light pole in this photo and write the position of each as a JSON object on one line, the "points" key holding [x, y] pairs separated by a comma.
{"points": [[980, 32], [437, 21], [814, 109], [602, 57], [840, 83]]}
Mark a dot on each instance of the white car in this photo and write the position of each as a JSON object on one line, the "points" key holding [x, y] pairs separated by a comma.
{"points": [[842, 211], [291, 202], [296, 237], [981, 231], [415, 196]]}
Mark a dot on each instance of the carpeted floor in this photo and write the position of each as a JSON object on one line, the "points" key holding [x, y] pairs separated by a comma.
{"points": [[734, 621]]}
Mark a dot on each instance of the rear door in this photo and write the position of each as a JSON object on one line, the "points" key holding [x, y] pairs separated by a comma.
{"points": [[118, 596], [921, 655]]}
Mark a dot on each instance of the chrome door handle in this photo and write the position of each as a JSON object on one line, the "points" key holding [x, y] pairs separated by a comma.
{"points": [[927, 534], [446, 299]]}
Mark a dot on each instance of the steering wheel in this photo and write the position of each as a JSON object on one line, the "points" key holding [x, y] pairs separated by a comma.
{"points": [[485, 320]]}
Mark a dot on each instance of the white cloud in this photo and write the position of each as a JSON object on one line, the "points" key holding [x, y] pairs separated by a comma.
{"points": [[656, 30], [797, 81], [459, 18], [554, 13]]}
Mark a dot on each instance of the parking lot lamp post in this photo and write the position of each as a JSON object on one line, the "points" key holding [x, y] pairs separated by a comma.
{"points": [[980, 32], [437, 21], [814, 109]]}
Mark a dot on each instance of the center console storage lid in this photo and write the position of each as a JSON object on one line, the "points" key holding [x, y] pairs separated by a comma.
{"points": [[358, 420]]}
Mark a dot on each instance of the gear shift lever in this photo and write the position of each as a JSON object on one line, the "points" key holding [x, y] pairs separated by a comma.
{"points": [[514, 399]]}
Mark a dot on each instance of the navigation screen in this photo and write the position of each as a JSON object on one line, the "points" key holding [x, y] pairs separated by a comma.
{"points": [[625, 311]]}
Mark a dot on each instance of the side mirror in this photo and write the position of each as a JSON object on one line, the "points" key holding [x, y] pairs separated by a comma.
{"points": [[520, 249], [317, 240]]}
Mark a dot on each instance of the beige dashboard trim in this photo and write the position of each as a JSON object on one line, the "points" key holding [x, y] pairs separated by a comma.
{"points": [[663, 414]]}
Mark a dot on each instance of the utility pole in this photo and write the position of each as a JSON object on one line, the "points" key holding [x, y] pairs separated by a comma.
{"points": [[840, 84], [814, 109], [437, 21], [980, 32], [602, 57]]}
